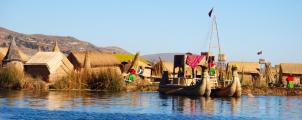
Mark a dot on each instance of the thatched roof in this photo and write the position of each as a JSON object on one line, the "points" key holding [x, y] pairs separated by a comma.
{"points": [[291, 68], [3, 52], [97, 59], [53, 60], [14, 54], [56, 47], [246, 67]]}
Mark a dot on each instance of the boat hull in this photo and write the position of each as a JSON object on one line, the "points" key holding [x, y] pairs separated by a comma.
{"points": [[233, 90], [199, 89]]}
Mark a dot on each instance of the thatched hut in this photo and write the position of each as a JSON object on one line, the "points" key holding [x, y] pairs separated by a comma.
{"points": [[50, 66], [159, 67], [247, 71], [290, 68], [14, 57], [94, 60]]}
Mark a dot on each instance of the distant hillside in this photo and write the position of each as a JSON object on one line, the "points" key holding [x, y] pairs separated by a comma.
{"points": [[113, 49], [164, 56], [29, 43]]}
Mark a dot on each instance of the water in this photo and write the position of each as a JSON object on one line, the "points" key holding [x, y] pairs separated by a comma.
{"points": [[142, 105]]}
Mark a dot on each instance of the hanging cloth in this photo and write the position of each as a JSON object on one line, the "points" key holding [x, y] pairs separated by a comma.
{"points": [[194, 60]]}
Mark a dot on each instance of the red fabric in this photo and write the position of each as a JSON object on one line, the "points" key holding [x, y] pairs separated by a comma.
{"points": [[194, 60], [290, 78], [212, 64], [132, 71]]}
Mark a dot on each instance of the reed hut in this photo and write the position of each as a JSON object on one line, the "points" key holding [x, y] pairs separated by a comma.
{"points": [[14, 57], [93, 60], [248, 71], [290, 68], [159, 67], [50, 66]]}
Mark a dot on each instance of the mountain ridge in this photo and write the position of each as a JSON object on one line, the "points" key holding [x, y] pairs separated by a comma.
{"points": [[30, 43]]}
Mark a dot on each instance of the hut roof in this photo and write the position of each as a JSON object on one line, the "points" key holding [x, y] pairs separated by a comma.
{"points": [[53, 60], [3, 52], [14, 53], [291, 68], [246, 67], [96, 58], [56, 47]]}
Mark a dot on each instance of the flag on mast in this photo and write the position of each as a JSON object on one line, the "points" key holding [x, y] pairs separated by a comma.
{"points": [[210, 12]]}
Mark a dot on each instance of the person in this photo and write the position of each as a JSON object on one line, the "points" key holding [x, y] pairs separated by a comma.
{"points": [[212, 71], [290, 81], [140, 72], [131, 77], [180, 73], [165, 78]]}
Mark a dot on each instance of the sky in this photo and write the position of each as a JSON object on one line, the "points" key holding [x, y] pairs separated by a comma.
{"points": [[164, 26]]}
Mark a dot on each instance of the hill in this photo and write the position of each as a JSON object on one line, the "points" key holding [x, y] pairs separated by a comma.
{"points": [[164, 56], [29, 43]]}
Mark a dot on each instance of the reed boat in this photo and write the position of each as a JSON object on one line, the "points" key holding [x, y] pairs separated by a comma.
{"points": [[202, 87], [232, 90]]}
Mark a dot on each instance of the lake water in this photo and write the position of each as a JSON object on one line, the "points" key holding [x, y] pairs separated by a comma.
{"points": [[142, 105]]}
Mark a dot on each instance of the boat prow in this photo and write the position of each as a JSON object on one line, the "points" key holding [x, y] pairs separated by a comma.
{"points": [[232, 90], [201, 88]]}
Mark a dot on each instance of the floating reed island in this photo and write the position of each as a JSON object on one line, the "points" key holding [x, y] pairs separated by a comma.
{"points": [[94, 70]]}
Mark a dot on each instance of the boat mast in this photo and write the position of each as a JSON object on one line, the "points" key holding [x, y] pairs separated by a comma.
{"points": [[214, 35], [214, 28], [217, 35]]}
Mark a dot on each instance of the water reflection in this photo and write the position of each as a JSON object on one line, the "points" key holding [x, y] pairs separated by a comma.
{"points": [[138, 102]]}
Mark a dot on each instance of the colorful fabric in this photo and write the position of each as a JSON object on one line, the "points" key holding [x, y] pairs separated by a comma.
{"points": [[212, 64], [194, 60], [212, 71], [140, 72], [131, 77], [132, 71], [290, 84], [290, 78]]}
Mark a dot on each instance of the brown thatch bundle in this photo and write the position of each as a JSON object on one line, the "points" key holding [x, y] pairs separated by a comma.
{"points": [[291, 68], [14, 54], [96, 59], [134, 61]]}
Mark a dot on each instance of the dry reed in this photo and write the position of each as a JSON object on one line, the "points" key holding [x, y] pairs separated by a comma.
{"points": [[107, 79]]}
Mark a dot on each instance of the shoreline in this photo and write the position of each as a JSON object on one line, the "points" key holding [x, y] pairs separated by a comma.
{"points": [[271, 91], [246, 90]]}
